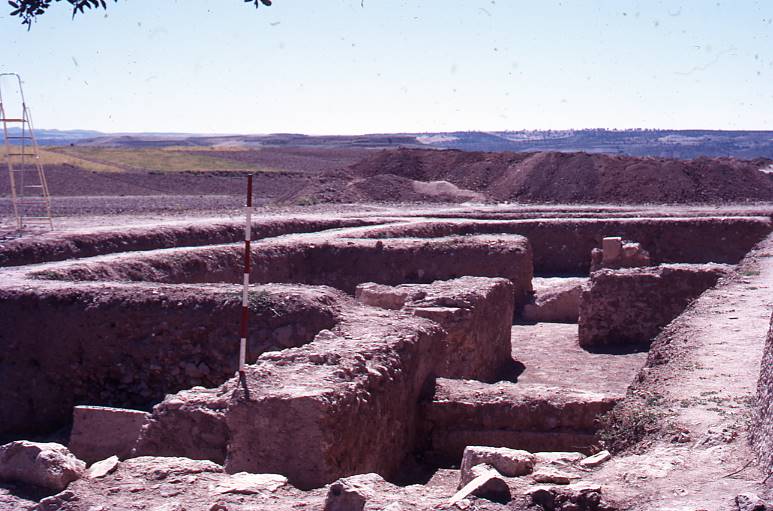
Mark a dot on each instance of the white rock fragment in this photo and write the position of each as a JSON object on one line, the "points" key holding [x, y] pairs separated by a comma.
{"points": [[489, 485], [103, 468], [595, 460], [250, 484], [508, 462], [551, 475]]}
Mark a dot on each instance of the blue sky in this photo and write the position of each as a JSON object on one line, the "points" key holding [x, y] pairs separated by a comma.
{"points": [[336, 66]]}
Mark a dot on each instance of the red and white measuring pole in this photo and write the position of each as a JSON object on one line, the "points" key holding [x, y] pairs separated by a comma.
{"points": [[246, 286]]}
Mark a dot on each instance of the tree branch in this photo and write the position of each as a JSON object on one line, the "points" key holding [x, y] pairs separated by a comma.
{"points": [[28, 10]]}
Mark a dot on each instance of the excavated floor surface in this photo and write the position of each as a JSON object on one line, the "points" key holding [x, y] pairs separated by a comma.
{"points": [[552, 356]]}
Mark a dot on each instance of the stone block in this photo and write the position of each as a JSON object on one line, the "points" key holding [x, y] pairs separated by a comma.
{"points": [[48, 465], [612, 247], [488, 485], [555, 300], [378, 295], [475, 312], [549, 475], [529, 417], [99, 432], [353, 493], [508, 462], [595, 460]]}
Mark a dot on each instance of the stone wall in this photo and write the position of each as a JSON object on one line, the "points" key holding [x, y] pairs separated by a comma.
{"points": [[348, 402], [475, 312], [762, 424], [341, 263], [129, 345], [629, 307], [531, 417], [344, 404], [555, 300], [563, 246]]}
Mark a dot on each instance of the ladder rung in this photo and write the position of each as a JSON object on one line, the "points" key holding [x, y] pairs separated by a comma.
{"points": [[33, 186], [31, 203], [21, 154], [15, 137], [12, 120]]}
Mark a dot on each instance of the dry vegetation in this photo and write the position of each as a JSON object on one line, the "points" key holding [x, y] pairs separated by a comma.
{"points": [[166, 159]]}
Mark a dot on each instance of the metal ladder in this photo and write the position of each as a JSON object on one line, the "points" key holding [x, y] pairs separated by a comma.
{"points": [[29, 189]]}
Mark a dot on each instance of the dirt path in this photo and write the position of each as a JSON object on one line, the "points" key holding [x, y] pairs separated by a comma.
{"points": [[705, 392]]}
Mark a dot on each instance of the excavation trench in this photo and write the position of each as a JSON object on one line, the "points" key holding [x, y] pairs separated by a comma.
{"points": [[563, 246], [356, 378]]}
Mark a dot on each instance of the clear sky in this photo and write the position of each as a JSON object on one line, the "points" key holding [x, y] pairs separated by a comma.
{"points": [[342, 66]]}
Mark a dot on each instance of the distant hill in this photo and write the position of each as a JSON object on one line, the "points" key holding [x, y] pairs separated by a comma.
{"points": [[58, 137], [681, 144]]}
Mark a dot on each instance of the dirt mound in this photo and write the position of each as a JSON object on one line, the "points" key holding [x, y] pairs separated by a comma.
{"points": [[576, 177], [378, 188]]}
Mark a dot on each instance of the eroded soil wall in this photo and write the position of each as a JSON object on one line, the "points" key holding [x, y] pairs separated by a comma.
{"points": [[341, 263], [61, 246], [129, 345], [762, 425]]}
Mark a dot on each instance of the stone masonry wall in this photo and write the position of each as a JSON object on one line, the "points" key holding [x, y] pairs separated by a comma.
{"points": [[475, 312], [347, 403], [630, 306], [532, 417]]}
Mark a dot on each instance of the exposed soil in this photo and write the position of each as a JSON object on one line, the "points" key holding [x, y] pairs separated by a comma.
{"points": [[551, 356], [577, 177], [692, 397], [69, 181], [688, 411], [349, 175]]}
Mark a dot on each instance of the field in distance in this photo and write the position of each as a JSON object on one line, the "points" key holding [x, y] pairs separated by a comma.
{"points": [[152, 159]]}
